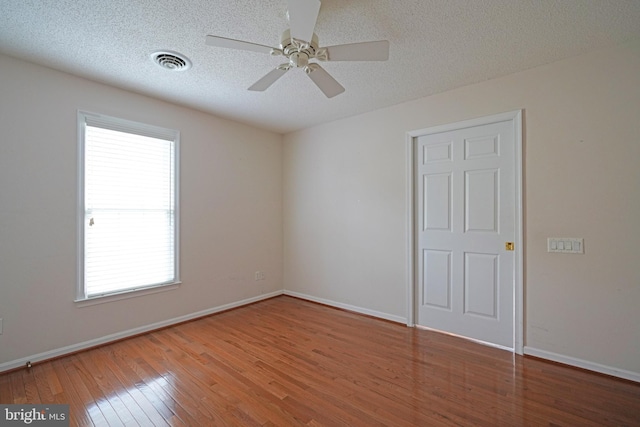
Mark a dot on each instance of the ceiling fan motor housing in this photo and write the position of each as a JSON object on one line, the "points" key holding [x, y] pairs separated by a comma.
{"points": [[297, 51]]}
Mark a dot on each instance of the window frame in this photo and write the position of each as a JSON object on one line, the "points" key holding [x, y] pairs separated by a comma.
{"points": [[85, 119]]}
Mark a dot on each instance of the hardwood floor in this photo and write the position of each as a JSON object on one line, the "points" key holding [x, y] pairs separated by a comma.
{"points": [[285, 362]]}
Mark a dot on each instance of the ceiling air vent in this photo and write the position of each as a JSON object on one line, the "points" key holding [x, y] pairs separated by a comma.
{"points": [[171, 61]]}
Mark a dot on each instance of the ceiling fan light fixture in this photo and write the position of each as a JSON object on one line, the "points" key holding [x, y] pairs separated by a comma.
{"points": [[299, 59], [172, 61]]}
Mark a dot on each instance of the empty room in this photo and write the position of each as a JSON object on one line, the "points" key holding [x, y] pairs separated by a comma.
{"points": [[320, 212]]}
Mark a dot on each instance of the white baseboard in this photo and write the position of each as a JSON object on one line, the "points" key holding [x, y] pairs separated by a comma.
{"points": [[584, 364], [543, 354], [129, 333], [348, 307]]}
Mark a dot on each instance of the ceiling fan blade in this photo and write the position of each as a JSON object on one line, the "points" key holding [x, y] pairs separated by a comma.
{"points": [[237, 44], [327, 84], [366, 51], [302, 18], [271, 77]]}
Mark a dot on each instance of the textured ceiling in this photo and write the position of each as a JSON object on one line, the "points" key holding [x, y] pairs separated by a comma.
{"points": [[435, 45]]}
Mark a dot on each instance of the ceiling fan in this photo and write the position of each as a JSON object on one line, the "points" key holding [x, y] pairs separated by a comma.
{"points": [[299, 44]]}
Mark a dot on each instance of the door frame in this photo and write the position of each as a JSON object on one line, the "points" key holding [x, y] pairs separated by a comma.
{"points": [[411, 275]]}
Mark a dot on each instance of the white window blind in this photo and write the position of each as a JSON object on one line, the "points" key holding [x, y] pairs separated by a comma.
{"points": [[129, 206]]}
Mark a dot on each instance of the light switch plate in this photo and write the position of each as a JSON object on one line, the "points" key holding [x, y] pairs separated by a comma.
{"points": [[565, 245]]}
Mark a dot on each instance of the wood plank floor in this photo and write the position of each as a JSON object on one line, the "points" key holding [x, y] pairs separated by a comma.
{"points": [[285, 362]]}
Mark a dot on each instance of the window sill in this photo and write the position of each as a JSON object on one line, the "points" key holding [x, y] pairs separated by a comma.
{"points": [[134, 293]]}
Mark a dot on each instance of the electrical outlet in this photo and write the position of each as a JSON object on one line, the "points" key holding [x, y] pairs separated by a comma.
{"points": [[259, 275]]}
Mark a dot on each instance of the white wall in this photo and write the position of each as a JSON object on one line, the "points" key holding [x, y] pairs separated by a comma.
{"points": [[345, 204], [231, 217]]}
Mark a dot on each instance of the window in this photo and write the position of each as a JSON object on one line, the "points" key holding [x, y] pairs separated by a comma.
{"points": [[128, 206]]}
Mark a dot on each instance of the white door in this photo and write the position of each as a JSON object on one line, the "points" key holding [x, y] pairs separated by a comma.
{"points": [[465, 215]]}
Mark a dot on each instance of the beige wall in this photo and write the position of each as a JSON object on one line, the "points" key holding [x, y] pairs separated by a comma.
{"points": [[335, 199], [345, 202], [231, 217]]}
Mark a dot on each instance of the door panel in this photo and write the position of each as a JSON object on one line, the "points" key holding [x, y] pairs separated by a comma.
{"points": [[481, 284], [437, 278], [437, 210], [481, 201], [466, 209]]}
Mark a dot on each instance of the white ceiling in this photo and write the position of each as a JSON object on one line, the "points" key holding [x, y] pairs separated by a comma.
{"points": [[435, 45]]}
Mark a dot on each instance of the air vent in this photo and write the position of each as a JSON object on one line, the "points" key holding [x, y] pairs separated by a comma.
{"points": [[171, 61]]}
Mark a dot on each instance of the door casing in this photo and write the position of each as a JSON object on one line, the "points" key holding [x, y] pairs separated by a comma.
{"points": [[411, 277]]}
